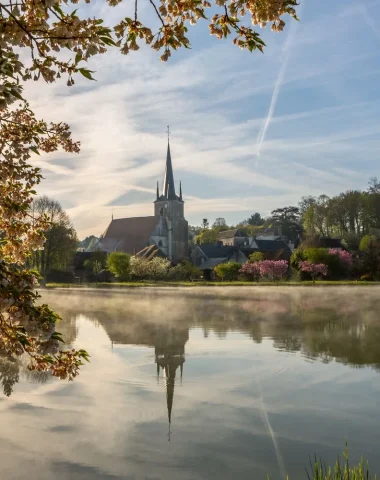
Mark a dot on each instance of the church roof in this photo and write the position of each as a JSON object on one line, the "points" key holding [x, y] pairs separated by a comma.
{"points": [[129, 235], [169, 187]]}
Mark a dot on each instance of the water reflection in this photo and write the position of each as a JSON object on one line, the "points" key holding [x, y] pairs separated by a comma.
{"points": [[241, 382], [333, 324]]}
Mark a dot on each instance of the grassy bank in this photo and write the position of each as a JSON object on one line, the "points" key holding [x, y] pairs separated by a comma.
{"points": [[209, 284]]}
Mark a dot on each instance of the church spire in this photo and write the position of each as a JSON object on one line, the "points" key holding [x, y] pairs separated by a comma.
{"points": [[180, 191], [158, 191], [169, 188]]}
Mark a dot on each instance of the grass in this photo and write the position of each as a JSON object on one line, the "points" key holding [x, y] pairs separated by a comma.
{"points": [[342, 470], [209, 284]]}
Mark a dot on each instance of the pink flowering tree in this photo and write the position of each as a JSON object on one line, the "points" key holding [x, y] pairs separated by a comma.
{"points": [[251, 270], [273, 270], [313, 269], [345, 257]]}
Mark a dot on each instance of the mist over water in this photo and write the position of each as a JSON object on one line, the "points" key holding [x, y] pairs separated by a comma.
{"points": [[199, 383]]}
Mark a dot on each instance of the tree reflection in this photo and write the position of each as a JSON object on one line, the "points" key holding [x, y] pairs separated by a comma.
{"points": [[322, 324]]}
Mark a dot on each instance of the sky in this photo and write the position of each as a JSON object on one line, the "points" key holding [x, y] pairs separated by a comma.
{"points": [[249, 132]]}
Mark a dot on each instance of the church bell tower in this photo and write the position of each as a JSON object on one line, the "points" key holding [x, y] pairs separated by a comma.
{"points": [[171, 206]]}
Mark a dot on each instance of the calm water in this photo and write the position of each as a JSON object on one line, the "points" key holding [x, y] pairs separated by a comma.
{"points": [[200, 384]]}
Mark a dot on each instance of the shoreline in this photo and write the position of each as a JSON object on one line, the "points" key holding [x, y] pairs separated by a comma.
{"points": [[103, 285]]}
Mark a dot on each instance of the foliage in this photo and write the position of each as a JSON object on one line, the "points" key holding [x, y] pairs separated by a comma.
{"points": [[208, 235], [287, 218], [342, 470], [345, 257], [220, 222], [349, 215], [26, 327], [185, 271], [366, 241], [139, 267], [118, 263], [228, 271], [371, 260], [251, 270], [313, 269], [297, 256], [60, 237], [351, 241], [255, 220], [256, 257], [158, 268], [273, 270], [89, 243], [322, 255]]}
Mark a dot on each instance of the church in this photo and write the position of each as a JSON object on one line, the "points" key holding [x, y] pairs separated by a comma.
{"points": [[163, 234]]}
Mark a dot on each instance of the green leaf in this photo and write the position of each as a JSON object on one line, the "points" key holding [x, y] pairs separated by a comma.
{"points": [[78, 57], [16, 94], [86, 73], [108, 41], [58, 9], [57, 336], [34, 149]]}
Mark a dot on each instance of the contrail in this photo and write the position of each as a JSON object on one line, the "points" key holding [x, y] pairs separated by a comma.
{"points": [[280, 78], [264, 414], [369, 20]]}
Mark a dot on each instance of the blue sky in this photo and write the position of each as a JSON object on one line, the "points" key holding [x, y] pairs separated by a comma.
{"points": [[250, 132]]}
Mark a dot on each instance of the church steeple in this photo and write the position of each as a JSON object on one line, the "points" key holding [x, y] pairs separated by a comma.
{"points": [[158, 191], [169, 188], [180, 191]]}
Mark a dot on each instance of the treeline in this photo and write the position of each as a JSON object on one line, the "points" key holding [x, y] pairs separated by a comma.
{"points": [[349, 216]]}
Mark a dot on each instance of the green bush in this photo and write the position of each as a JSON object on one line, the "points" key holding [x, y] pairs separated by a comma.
{"points": [[366, 241], [185, 271], [119, 264], [256, 257], [228, 271], [297, 257]]}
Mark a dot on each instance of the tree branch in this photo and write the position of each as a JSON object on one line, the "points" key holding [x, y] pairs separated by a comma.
{"points": [[158, 13]]}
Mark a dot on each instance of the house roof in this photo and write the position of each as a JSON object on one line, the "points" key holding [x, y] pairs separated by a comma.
{"points": [[327, 242], [230, 233], [211, 263], [129, 235], [271, 245], [217, 251]]}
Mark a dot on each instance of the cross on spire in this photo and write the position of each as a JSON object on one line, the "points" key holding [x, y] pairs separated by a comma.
{"points": [[168, 132]]}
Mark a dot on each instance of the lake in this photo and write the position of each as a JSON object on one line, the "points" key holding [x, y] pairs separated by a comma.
{"points": [[200, 383]]}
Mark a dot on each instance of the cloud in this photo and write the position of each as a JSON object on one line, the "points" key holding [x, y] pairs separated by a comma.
{"points": [[317, 97]]}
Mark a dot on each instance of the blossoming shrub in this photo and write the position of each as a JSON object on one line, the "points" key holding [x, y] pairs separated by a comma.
{"points": [[273, 270], [345, 257], [313, 269], [251, 271]]}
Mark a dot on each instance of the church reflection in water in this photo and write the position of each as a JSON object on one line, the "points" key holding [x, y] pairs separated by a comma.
{"points": [[168, 342], [170, 357], [322, 326]]}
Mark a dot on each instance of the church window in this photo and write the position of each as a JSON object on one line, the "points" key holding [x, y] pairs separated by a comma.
{"points": [[162, 211], [160, 243]]}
